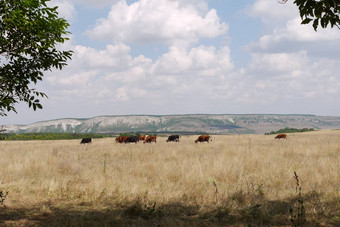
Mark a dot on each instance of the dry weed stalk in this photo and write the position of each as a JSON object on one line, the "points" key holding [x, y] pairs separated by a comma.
{"points": [[216, 193], [298, 214]]}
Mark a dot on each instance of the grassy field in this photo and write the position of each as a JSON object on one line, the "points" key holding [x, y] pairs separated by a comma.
{"points": [[232, 181]]}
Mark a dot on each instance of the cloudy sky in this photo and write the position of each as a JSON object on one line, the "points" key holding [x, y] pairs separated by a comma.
{"points": [[189, 56]]}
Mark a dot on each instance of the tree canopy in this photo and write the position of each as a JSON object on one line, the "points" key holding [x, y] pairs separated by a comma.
{"points": [[319, 12], [29, 34]]}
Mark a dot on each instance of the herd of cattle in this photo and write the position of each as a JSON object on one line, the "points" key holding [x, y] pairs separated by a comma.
{"points": [[172, 138], [149, 139]]}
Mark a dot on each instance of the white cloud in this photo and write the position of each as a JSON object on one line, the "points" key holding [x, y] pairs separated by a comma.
{"points": [[65, 8], [121, 94], [283, 29], [114, 56], [279, 62], [112, 74], [202, 61], [294, 30], [76, 80], [272, 13], [158, 21], [95, 3], [293, 77], [290, 62]]}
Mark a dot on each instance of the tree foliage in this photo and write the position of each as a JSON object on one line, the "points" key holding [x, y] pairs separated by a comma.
{"points": [[29, 34], [289, 130], [51, 136], [319, 12]]}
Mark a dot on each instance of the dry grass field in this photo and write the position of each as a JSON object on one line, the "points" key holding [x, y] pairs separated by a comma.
{"points": [[235, 180]]}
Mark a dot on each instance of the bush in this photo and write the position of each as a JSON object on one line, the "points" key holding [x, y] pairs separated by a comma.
{"points": [[290, 130], [52, 136]]}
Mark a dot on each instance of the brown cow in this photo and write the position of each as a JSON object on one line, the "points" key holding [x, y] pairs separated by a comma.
{"points": [[281, 136], [142, 137], [203, 138], [121, 139], [150, 139]]}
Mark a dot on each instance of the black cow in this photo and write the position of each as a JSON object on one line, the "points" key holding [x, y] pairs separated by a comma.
{"points": [[86, 140], [173, 138], [132, 139]]}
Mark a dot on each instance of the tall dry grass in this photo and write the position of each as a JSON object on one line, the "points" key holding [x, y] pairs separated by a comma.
{"points": [[234, 179]]}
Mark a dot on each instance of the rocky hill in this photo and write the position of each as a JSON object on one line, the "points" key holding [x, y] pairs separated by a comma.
{"points": [[195, 123]]}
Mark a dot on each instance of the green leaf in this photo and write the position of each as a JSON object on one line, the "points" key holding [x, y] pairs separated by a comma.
{"points": [[324, 22], [315, 24], [39, 106], [306, 21]]}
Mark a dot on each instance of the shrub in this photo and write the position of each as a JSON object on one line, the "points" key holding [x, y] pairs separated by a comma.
{"points": [[289, 130]]}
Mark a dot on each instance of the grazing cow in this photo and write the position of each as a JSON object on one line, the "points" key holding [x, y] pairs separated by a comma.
{"points": [[281, 136], [142, 137], [121, 139], [150, 139], [203, 138], [132, 139], [173, 138], [86, 140]]}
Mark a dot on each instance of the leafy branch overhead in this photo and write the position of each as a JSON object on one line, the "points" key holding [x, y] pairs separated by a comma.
{"points": [[319, 13], [29, 34]]}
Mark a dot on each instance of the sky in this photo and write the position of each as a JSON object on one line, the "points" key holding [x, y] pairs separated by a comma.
{"points": [[162, 57]]}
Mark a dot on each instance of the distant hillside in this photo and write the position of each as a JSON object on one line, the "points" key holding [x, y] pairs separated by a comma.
{"points": [[195, 123]]}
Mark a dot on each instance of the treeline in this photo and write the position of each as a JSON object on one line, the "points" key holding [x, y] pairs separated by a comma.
{"points": [[290, 130], [50, 136], [67, 136], [136, 134]]}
